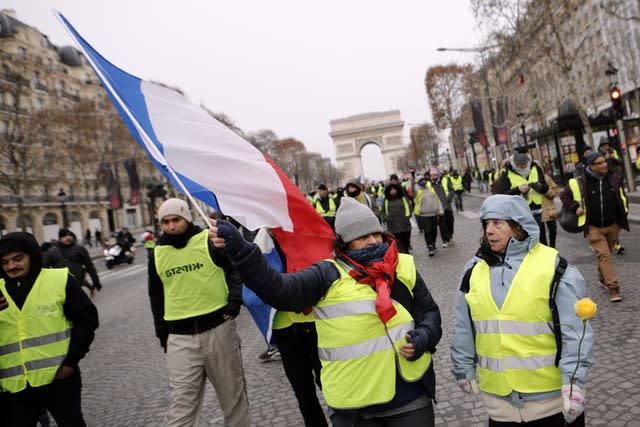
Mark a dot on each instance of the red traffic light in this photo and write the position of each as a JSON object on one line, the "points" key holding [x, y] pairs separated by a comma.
{"points": [[615, 94]]}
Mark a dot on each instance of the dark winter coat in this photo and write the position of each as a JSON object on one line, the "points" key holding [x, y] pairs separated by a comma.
{"points": [[393, 210], [76, 258], [603, 202]]}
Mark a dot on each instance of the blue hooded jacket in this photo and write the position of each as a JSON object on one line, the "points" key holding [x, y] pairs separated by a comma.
{"points": [[571, 288]]}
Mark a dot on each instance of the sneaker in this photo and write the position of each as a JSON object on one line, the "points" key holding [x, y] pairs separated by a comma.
{"points": [[618, 248], [432, 251], [445, 244], [601, 283], [614, 295], [271, 354]]}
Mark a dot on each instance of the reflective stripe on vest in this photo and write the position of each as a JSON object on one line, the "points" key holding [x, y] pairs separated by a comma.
{"points": [[193, 284], [407, 209], [34, 340], [574, 185], [516, 345], [516, 180], [359, 354]]}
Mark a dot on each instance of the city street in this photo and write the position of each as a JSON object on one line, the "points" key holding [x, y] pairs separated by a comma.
{"points": [[125, 379]]}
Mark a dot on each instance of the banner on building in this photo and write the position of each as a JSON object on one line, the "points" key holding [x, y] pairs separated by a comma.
{"points": [[501, 123], [134, 182], [112, 185], [478, 122]]}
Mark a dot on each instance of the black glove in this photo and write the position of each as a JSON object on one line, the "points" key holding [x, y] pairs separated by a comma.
{"points": [[233, 241], [536, 186], [232, 308], [419, 340]]}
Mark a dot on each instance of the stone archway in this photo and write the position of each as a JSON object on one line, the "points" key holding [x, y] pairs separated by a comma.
{"points": [[350, 134]]}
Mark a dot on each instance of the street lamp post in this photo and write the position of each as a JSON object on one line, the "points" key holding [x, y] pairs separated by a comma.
{"points": [[62, 197]]}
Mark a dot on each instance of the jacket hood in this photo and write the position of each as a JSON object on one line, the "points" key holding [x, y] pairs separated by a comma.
{"points": [[387, 191], [502, 206], [22, 241]]}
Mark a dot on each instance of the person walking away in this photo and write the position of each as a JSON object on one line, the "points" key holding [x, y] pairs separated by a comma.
{"points": [[599, 200], [427, 210], [396, 214], [41, 351], [467, 179], [458, 189], [444, 190], [98, 235], [67, 253], [325, 205], [506, 341], [550, 212], [366, 293], [195, 295], [524, 177], [87, 238]]}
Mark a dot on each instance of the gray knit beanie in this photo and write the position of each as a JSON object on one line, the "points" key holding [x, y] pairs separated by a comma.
{"points": [[354, 220], [174, 207]]}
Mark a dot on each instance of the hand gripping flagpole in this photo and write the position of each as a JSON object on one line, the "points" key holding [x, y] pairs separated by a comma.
{"points": [[152, 149]]}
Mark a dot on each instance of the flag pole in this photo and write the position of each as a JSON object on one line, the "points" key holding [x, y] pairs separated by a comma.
{"points": [[148, 143]]}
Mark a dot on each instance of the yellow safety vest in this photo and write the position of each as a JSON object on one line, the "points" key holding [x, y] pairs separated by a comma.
{"points": [[34, 340], [443, 184], [407, 209], [332, 208], [516, 345], [574, 185], [193, 284], [457, 183], [359, 353], [284, 319], [516, 180], [149, 244], [419, 196]]}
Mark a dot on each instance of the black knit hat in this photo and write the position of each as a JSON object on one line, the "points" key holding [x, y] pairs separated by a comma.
{"points": [[65, 232], [592, 157]]}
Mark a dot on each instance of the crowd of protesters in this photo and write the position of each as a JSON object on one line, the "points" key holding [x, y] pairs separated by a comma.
{"points": [[359, 327]]}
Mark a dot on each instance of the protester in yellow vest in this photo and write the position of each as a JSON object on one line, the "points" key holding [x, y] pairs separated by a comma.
{"points": [[506, 340], [524, 177], [325, 205], [48, 324], [195, 295], [376, 321]]}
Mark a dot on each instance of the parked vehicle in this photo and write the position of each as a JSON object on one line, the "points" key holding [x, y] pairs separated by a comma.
{"points": [[116, 255]]}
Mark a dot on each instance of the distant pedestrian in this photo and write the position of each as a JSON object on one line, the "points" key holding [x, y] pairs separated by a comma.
{"points": [[427, 210], [549, 214], [396, 214], [87, 237], [98, 235], [67, 253]]}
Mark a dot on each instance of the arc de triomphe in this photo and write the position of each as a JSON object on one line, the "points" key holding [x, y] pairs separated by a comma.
{"points": [[351, 134]]}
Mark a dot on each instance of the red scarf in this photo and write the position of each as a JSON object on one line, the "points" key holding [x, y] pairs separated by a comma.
{"points": [[380, 275]]}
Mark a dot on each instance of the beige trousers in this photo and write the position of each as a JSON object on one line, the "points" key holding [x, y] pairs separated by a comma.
{"points": [[213, 354], [503, 411], [602, 241]]}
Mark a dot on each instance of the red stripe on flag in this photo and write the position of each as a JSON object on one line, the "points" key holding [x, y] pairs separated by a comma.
{"points": [[311, 238]]}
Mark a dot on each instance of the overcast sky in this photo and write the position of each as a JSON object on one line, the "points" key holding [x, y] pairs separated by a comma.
{"points": [[289, 66]]}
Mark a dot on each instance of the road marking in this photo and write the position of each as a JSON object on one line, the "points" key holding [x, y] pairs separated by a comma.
{"points": [[124, 272]]}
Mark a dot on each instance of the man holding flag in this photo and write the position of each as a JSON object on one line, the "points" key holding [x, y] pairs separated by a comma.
{"points": [[195, 295]]}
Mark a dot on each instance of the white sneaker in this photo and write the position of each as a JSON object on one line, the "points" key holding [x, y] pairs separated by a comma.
{"points": [[445, 244]]}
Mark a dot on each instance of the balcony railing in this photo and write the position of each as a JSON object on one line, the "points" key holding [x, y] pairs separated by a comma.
{"points": [[50, 200]]}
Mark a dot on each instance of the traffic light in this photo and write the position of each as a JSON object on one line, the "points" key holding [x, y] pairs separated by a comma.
{"points": [[616, 102]]}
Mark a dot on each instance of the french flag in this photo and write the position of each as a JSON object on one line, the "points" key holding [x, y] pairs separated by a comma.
{"points": [[197, 153]]}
